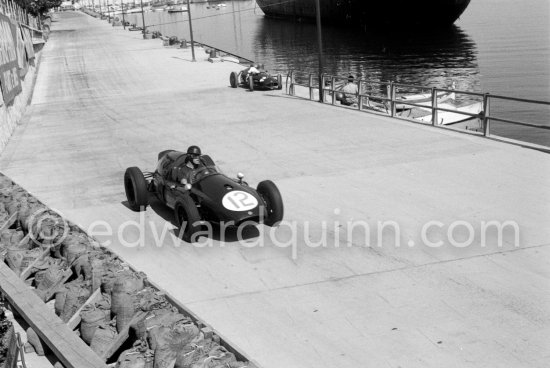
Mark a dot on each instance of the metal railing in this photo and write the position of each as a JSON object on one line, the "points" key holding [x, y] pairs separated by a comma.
{"points": [[377, 102], [35, 32]]}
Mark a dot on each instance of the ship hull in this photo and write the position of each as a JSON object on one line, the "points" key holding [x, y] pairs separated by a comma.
{"points": [[365, 13]]}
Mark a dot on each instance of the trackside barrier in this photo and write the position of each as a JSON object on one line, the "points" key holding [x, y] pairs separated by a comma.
{"points": [[36, 33], [370, 99]]}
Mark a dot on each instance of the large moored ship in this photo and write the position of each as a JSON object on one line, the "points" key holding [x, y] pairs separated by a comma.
{"points": [[365, 13]]}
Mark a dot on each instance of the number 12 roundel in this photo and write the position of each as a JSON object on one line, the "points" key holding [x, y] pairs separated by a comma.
{"points": [[239, 201]]}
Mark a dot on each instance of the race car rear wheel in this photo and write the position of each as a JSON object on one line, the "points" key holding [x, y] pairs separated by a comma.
{"points": [[136, 189], [279, 81], [251, 82], [273, 202], [188, 219], [233, 79]]}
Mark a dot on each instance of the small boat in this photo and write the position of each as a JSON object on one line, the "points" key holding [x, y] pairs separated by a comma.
{"points": [[177, 9], [134, 10], [445, 117], [421, 99]]}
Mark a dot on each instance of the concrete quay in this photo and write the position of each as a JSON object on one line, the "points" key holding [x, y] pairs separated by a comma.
{"points": [[105, 99]]}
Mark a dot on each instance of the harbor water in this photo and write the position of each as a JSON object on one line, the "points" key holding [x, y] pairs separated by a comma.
{"points": [[498, 46]]}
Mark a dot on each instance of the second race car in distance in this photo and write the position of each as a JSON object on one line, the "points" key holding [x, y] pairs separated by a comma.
{"points": [[254, 77]]}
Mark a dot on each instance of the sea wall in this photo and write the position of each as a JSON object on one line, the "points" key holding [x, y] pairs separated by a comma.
{"points": [[18, 68]]}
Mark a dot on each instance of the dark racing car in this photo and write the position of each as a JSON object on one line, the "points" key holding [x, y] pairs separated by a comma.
{"points": [[204, 194], [253, 78]]}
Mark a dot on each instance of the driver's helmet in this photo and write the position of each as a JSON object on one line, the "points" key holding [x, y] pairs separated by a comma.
{"points": [[194, 150], [193, 154]]}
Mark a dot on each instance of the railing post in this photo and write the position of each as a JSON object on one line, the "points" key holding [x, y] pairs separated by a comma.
{"points": [[311, 86], [322, 88], [485, 116], [291, 89], [332, 83], [392, 99], [434, 106], [359, 95]]}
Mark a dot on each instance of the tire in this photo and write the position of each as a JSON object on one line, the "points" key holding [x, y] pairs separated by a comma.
{"points": [[161, 155], [273, 200], [207, 160], [234, 79], [187, 215], [279, 81], [136, 189], [251, 82]]}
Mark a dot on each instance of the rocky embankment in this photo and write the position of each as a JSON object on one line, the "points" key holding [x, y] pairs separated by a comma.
{"points": [[114, 309]]}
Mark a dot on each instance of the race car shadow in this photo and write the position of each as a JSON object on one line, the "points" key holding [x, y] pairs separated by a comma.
{"points": [[217, 232]]}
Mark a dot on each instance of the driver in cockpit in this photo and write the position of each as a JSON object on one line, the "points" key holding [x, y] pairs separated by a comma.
{"points": [[188, 169]]}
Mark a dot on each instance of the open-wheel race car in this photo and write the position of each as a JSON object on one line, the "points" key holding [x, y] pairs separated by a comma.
{"points": [[202, 194], [253, 78]]}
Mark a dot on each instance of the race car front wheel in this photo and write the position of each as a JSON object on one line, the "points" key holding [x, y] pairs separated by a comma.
{"points": [[233, 79], [187, 219], [251, 82], [136, 189], [273, 202]]}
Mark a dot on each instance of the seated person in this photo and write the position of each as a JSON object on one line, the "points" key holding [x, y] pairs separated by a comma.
{"points": [[349, 92], [188, 168]]}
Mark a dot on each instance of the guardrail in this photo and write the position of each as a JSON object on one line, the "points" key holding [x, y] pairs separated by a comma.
{"points": [[36, 32], [370, 99]]}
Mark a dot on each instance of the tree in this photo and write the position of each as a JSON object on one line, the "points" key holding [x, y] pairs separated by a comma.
{"points": [[38, 7]]}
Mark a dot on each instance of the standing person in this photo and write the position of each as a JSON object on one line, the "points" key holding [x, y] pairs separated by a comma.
{"points": [[350, 92]]}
